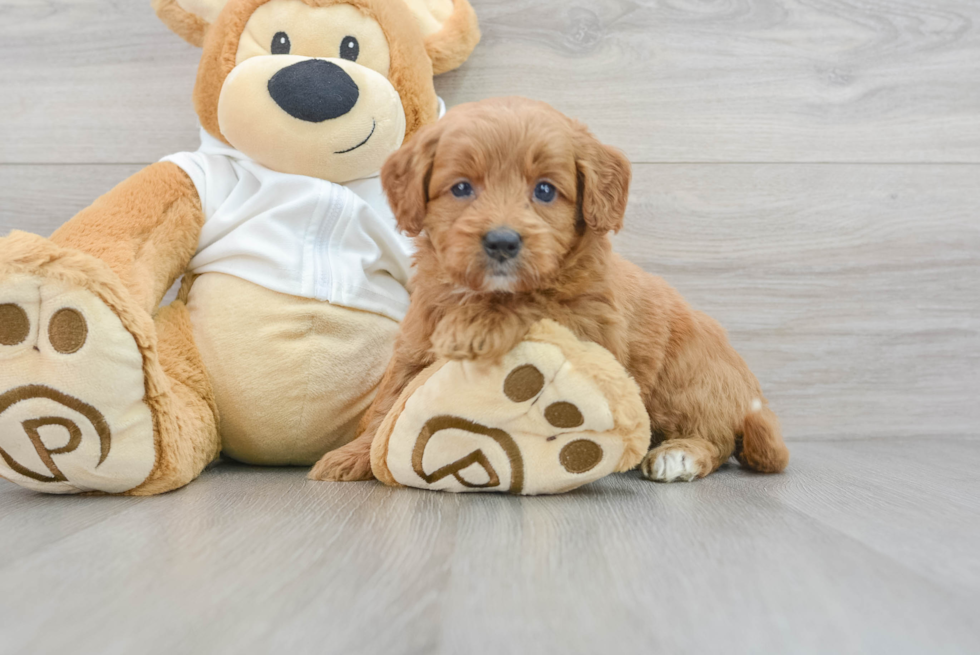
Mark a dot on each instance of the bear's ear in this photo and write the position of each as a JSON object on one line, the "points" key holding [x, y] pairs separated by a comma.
{"points": [[450, 28], [189, 19]]}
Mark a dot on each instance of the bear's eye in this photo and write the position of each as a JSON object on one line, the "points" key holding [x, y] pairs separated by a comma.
{"points": [[350, 48], [545, 192], [281, 44], [463, 189]]}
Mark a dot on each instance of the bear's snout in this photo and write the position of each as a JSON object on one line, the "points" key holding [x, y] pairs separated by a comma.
{"points": [[314, 90]]}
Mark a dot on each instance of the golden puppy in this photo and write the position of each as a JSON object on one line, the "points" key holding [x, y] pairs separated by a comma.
{"points": [[511, 203]]}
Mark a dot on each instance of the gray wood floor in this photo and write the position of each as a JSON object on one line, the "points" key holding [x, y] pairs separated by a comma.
{"points": [[807, 171], [865, 546]]}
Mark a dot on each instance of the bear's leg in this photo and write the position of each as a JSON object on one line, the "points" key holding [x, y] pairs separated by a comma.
{"points": [[95, 396], [190, 442]]}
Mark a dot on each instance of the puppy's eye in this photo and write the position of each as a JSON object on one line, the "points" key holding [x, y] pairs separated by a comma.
{"points": [[281, 44], [350, 48], [463, 189], [545, 192]]}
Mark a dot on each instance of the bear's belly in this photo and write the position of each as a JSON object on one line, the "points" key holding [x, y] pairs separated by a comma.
{"points": [[292, 376]]}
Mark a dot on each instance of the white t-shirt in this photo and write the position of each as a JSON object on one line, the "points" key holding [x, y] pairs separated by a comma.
{"points": [[298, 235]]}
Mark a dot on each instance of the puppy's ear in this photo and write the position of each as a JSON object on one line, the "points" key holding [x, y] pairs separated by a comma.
{"points": [[405, 178], [604, 175], [189, 19]]}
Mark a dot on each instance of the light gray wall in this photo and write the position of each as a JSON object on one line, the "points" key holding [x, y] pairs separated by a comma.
{"points": [[808, 173]]}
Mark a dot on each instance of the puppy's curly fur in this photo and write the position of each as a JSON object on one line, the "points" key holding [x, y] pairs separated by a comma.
{"points": [[704, 403]]}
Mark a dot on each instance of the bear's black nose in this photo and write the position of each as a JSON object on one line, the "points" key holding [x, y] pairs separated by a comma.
{"points": [[314, 90], [502, 244]]}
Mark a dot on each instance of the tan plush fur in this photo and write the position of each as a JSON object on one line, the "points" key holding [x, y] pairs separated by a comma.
{"points": [[129, 246], [379, 445], [632, 422], [528, 438], [187, 416], [146, 229], [410, 72], [188, 26], [702, 398], [609, 379], [321, 362], [448, 48], [454, 43], [177, 392]]}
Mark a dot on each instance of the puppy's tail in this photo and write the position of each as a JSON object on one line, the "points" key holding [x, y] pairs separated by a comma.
{"points": [[760, 447]]}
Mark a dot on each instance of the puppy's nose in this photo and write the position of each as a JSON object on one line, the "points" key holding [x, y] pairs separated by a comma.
{"points": [[502, 244], [314, 90]]}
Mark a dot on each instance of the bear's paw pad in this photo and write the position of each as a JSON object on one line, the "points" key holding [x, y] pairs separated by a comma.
{"points": [[72, 416], [553, 415]]}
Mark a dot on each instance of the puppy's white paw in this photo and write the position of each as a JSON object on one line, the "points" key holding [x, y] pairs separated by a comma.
{"points": [[671, 465]]}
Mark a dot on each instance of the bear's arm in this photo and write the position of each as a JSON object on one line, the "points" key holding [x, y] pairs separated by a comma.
{"points": [[147, 230]]}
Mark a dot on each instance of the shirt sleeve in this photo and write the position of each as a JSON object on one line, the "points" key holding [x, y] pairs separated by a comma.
{"points": [[213, 176]]}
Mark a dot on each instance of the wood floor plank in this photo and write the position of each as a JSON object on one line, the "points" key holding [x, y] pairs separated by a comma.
{"points": [[751, 81], [678, 570], [249, 559], [52, 518], [852, 291], [916, 503]]}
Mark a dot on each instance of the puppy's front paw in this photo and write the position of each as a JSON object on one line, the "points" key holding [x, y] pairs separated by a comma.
{"points": [[344, 465], [448, 344], [456, 340], [475, 347], [674, 462]]}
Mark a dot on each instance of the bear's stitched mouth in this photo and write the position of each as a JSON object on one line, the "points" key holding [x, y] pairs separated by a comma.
{"points": [[374, 126]]}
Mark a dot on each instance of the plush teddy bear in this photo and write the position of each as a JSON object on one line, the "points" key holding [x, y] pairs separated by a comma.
{"points": [[294, 273]]}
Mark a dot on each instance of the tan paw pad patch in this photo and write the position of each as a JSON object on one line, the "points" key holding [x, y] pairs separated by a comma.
{"points": [[538, 422], [72, 416]]}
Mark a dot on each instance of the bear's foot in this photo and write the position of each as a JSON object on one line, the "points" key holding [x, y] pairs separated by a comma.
{"points": [[554, 414], [72, 412]]}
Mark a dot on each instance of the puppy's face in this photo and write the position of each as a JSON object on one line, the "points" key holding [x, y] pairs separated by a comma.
{"points": [[504, 190], [502, 209]]}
